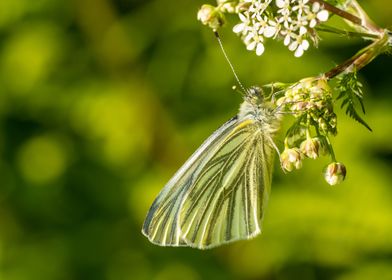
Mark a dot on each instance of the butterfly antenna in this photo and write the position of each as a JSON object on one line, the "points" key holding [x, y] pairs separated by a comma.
{"points": [[228, 61]]}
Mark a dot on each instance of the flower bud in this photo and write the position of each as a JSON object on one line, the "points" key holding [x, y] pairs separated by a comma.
{"points": [[211, 16], [311, 147], [291, 158], [335, 173], [300, 106]]}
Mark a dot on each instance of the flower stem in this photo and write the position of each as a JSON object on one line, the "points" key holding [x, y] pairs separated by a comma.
{"points": [[350, 34], [364, 22], [362, 58], [330, 148]]}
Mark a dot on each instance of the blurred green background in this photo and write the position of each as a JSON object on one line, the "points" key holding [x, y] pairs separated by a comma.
{"points": [[102, 101]]}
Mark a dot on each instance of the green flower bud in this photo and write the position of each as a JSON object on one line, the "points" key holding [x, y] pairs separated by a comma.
{"points": [[291, 158], [335, 173], [311, 147], [211, 16]]}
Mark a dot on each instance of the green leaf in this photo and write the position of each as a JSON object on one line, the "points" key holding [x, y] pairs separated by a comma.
{"points": [[350, 111], [350, 92], [296, 133]]}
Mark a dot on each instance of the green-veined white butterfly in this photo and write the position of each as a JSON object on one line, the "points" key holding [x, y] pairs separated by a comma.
{"points": [[219, 195]]}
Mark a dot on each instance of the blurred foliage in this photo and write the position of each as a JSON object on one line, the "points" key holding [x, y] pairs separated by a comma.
{"points": [[101, 101]]}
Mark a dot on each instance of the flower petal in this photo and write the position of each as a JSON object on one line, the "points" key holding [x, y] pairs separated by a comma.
{"points": [[280, 3], [287, 40], [251, 46], [293, 46], [260, 49], [323, 15], [243, 17], [239, 28], [299, 52], [269, 31], [305, 44]]}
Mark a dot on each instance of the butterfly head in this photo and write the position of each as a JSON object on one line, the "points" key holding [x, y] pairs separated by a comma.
{"points": [[254, 95]]}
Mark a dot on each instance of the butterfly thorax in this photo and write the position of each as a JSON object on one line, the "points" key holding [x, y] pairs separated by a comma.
{"points": [[257, 109]]}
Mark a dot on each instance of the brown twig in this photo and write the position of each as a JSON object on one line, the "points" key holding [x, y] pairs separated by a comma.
{"points": [[348, 16]]}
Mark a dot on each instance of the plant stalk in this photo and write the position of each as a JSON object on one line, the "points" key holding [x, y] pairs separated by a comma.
{"points": [[363, 21], [362, 58]]}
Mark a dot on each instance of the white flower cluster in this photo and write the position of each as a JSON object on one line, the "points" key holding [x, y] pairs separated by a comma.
{"points": [[286, 19]]}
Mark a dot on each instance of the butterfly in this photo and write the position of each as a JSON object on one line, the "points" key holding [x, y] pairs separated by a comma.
{"points": [[221, 192]]}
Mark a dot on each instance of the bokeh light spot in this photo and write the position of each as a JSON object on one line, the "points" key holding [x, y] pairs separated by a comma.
{"points": [[29, 56], [42, 160]]}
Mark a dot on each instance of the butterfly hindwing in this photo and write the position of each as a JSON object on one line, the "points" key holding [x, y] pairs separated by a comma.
{"points": [[225, 201]]}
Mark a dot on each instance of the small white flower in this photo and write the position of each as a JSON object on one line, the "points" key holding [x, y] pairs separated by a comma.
{"points": [[302, 23], [256, 25], [302, 7], [322, 15], [288, 19], [289, 34], [317, 15], [271, 29], [299, 46], [302, 47]]}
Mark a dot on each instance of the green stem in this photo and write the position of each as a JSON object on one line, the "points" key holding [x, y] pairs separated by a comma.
{"points": [[351, 34], [330, 148], [367, 23], [362, 58]]}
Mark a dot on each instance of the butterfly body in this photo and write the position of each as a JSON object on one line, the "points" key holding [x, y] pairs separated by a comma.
{"points": [[219, 195]]}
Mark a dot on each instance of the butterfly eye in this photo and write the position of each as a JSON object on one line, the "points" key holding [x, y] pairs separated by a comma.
{"points": [[255, 95]]}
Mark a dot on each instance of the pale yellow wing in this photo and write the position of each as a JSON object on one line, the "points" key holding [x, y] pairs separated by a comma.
{"points": [[161, 225], [226, 198]]}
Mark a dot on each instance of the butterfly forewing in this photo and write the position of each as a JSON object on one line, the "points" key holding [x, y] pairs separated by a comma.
{"points": [[162, 222], [225, 201]]}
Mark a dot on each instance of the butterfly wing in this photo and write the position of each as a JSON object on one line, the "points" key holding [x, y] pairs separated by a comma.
{"points": [[226, 199], [161, 225]]}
